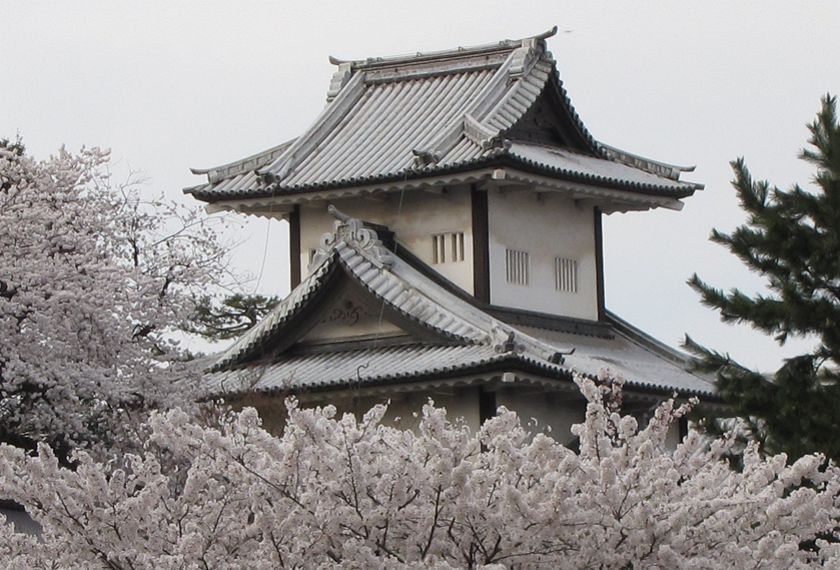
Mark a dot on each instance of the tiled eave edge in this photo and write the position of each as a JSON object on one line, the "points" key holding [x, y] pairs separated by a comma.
{"points": [[496, 159], [523, 369], [281, 201]]}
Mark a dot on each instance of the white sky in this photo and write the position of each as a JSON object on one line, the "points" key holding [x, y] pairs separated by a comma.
{"points": [[168, 85]]}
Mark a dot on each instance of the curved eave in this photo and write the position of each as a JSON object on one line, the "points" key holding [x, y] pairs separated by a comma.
{"points": [[243, 164], [494, 365], [500, 159]]}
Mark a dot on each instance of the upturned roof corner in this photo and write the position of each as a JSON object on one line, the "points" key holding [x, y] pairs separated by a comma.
{"points": [[390, 120]]}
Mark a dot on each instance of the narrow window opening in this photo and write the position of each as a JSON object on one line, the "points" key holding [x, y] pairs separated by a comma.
{"points": [[447, 247], [565, 274], [516, 266], [438, 249]]}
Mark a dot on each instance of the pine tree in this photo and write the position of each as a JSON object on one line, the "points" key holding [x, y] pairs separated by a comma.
{"points": [[792, 238], [229, 317]]}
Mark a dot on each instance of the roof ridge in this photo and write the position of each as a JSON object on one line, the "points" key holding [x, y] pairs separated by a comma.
{"points": [[658, 167], [504, 100], [461, 51]]}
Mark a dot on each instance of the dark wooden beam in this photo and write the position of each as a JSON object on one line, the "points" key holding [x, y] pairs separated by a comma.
{"points": [[682, 424], [486, 404], [481, 244], [599, 264], [294, 247]]}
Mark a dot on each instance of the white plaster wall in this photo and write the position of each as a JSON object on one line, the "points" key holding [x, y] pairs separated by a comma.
{"points": [[414, 220], [546, 226], [350, 315]]}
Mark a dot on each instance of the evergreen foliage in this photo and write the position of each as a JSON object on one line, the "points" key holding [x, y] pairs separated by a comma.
{"points": [[230, 317], [792, 238]]}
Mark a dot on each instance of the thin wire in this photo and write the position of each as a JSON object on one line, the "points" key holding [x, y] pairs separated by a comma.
{"points": [[396, 247], [379, 333]]}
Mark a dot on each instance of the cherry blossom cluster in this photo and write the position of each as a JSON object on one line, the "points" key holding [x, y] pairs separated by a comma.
{"points": [[93, 279], [347, 492]]}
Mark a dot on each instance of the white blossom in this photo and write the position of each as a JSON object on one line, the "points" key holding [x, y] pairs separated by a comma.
{"points": [[341, 492], [93, 278]]}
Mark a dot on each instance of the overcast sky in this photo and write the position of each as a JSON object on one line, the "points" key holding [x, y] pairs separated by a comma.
{"points": [[169, 85]]}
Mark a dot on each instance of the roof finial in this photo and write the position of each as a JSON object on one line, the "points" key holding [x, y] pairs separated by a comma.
{"points": [[338, 214], [547, 34], [353, 232]]}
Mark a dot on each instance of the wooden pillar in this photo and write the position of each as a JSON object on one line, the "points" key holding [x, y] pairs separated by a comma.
{"points": [[294, 247], [486, 404], [599, 264], [481, 244]]}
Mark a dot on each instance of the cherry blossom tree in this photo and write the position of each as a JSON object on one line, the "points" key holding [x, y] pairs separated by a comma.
{"points": [[342, 492], [93, 279]]}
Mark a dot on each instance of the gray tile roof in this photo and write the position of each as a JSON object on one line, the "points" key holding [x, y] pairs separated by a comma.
{"points": [[642, 363], [411, 363], [344, 368], [469, 340], [427, 114]]}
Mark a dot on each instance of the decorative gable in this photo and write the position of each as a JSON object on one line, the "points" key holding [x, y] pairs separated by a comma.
{"points": [[351, 316]]}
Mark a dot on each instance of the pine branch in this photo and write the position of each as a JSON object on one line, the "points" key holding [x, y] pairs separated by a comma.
{"points": [[791, 238]]}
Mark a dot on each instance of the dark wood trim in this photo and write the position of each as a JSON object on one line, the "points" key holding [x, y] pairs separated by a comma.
{"points": [[294, 247], [550, 322], [682, 425], [481, 244], [486, 404], [599, 264]]}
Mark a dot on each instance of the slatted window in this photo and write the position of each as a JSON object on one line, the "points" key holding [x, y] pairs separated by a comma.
{"points": [[516, 266], [439, 248], [447, 247], [456, 246], [565, 274]]}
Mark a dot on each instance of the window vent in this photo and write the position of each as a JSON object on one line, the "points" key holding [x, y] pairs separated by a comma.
{"points": [[457, 246], [447, 247], [516, 266], [565, 275]]}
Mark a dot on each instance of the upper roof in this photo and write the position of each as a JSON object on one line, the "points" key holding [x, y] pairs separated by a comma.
{"points": [[429, 114], [446, 334]]}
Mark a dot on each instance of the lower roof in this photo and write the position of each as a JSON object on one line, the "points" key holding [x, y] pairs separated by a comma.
{"points": [[443, 332], [645, 368]]}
